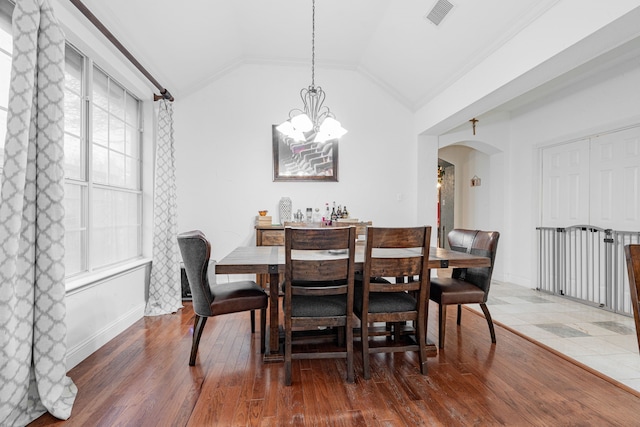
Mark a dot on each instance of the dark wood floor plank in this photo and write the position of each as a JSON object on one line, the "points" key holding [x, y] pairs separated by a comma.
{"points": [[142, 378]]}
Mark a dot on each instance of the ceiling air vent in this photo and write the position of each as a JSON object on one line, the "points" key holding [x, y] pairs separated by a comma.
{"points": [[439, 11]]}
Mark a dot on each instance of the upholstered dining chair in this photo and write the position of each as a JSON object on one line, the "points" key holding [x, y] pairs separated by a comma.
{"points": [[318, 290], [632, 254], [466, 285], [394, 253], [214, 299]]}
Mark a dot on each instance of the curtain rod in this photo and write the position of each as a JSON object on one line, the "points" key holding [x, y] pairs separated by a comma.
{"points": [[164, 93]]}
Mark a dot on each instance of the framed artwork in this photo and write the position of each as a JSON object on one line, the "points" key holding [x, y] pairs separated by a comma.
{"points": [[304, 160]]}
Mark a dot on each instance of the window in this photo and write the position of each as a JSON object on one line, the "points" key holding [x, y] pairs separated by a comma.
{"points": [[102, 138], [102, 154], [115, 172], [75, 153], [6, 50]]}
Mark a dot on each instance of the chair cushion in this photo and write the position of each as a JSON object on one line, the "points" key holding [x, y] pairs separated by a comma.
{"points": [[385, 302], [445, 290], [237, 296], [318, 306]]}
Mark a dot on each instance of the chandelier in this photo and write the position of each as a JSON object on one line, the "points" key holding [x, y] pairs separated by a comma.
{"points": [[315, 118]]}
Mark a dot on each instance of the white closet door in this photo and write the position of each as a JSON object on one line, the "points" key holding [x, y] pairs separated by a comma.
{"points": [[565, 184], [615, 180]]}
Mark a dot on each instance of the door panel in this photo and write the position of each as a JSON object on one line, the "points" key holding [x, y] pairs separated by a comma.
{"points": [[615, 166], [565, 184]]}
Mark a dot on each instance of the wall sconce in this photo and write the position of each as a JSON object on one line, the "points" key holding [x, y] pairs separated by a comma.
{"points": [[475, 181]]}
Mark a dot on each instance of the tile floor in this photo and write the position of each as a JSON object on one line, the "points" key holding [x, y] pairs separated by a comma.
{"points": [[597, 338]]}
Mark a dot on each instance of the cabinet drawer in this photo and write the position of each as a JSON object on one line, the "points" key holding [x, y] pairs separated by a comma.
{"points": [[272, 237]]}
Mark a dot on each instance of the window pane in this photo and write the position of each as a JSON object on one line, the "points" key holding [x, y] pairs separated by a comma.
{"points": [[100, 164], [116, 100], [132, 173], [3, 134], [5, 73], [132, 138], [6, 38], [73, 159], [100, 127], [116, 135], [72, 113], [131, 112], [116, 169], [100, 89], [115, 226], [75, 233], [73, 71]]}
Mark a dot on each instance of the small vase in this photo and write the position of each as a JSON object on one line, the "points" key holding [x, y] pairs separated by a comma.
{"points": [[285, 210]]}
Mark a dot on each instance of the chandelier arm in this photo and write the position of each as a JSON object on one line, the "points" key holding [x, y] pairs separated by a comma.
{"points": [[294, 112]]}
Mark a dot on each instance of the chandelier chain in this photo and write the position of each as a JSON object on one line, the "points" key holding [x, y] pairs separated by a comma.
{"points": [[313, 43], [314, 116]]}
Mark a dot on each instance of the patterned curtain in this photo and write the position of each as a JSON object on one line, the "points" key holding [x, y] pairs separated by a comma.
{"points": [[165, 291], [32, 290]]}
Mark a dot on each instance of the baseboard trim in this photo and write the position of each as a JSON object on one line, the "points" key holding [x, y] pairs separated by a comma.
{"points": [[83, 350]]}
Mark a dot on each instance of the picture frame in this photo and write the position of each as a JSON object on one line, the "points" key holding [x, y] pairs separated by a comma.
{"points": [[305, 160]]}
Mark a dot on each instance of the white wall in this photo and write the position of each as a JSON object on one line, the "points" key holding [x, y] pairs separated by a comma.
{"points": [[99, 311], [224, 152], [595, 103], [602, 102]]}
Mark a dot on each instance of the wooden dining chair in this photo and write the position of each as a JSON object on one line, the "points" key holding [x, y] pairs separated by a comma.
{"points": [[318, 290], [632, 254], [214, 299], [466, 285], [394, 253]]}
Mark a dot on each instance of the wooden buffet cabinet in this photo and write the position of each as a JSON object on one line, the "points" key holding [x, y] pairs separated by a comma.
{"points": [[269, 235]]}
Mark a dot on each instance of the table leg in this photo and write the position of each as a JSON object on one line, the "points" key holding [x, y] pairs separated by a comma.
{"points": [[274, 321]]}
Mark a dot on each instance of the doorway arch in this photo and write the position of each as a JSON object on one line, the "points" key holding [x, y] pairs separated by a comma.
{"points": [[475, 165]]}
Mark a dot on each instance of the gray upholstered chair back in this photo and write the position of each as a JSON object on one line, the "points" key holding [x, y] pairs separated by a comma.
{"points": [[475, 242], [196, 251]]}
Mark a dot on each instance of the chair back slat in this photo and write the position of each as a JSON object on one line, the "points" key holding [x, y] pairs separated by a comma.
{"points": [[319, 239], [396, 267], [326, 270], [411, 237], [394, 287]]}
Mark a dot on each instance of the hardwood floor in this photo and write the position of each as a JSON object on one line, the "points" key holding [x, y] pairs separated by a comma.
{"points": [[142, 378]]}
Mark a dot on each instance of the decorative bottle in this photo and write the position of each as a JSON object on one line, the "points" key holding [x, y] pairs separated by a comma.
{"points": [[285, 210]]}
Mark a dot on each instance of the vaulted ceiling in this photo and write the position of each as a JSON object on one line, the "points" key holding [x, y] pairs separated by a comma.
{"points": [[185, 44]]}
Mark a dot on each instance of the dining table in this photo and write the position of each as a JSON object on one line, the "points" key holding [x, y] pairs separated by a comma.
{"points": [[270, 260]]}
